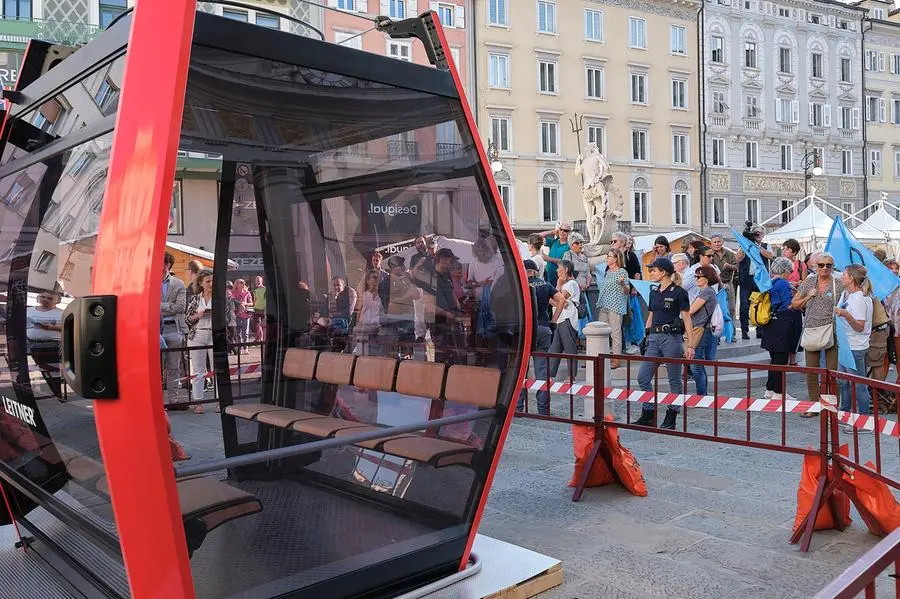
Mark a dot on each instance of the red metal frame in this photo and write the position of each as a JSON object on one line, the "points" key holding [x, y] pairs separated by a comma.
{"points": [[526, 294], [132, 428]]}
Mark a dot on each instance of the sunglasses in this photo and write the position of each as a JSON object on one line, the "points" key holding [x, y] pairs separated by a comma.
{"points": [[706, 255], [825, 265], [565, 230]]}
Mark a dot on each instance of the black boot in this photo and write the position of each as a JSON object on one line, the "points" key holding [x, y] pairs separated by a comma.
{"points": [[648, 418], [669, 420]]}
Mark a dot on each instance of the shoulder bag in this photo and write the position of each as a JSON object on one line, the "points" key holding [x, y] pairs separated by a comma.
{"points": [[821, 337]]}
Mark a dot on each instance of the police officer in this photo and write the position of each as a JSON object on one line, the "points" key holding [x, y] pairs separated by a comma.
{"points": [[668, 321]]}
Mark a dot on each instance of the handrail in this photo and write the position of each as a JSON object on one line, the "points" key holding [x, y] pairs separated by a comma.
{"points": [[295, 450], [861, 575]]}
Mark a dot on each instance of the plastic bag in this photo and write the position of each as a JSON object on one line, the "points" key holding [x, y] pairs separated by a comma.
{"points": [[634, 332], [806, 492], [582, 442], [624, 463], [877, 498], [728, 331]]}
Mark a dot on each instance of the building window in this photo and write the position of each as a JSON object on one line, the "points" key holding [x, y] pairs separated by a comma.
{"points": [[593, 25], [446, 13], [718, 49], [874, 60], [506, 198], [788, 210], [787, 111], [681, 207], [876, 109], [679, 148], [895, 64], [784, 60], [787, 157], [752, 107], [720, 211], [816, 114], [750, 55], [106, 95], [639, 144], [497, 12], [874, 163], [849, 208], [845, 117], [896, 164], [878, 13], [718, 152], [751, 154], [679, 93], [268, 20], [44, 262], [752, 213], [641, 204], [109, 10], [637, 33], [546, 17], [400, 50], [718, 103], [597, 135], [895, 117], [80, 163], [638, 88], [549, 137], [784, 13], [18, 10], [678, 40], [348, 39], [846, 71], [498, 70], [347, 5], [817, 68], [546, 77], [48, 115], [500, 133], [846, 162], [595, 86], [550, 198]]}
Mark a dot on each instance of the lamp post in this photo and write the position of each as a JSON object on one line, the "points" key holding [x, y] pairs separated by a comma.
{"points": [[494, 156], [811, 168]]}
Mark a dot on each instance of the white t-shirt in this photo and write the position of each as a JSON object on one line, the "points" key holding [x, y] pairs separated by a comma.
{"points": [[860, 308], [570, 311], [33, 317], [539, 261]]}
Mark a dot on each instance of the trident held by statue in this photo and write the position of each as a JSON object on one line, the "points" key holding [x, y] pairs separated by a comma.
{"points": [[577, 127]]}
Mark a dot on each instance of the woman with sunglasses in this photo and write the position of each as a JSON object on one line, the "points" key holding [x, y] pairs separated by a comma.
{"points": [[579, 259], [703, 307], [817, 295], [557, 242]]}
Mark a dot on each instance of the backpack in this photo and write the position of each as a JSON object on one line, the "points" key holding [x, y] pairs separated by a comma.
{"points": [[760, 308]]}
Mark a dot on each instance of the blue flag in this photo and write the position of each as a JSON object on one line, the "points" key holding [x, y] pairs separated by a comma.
{"points": [[643, 288], [845, 354], [761, 276], [728, 331], [847, 250]]}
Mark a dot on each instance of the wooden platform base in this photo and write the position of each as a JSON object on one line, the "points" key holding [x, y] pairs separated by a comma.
{"points": [[546, 580]]}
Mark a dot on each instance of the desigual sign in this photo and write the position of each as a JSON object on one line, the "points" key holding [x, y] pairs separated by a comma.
{"points": [[392, 210]]}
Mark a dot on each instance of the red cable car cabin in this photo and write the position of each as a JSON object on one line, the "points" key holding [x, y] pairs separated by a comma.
{"points": [[353, 448]]}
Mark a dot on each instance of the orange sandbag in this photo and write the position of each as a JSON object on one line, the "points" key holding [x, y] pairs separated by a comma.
{"points": [[624, 463], [582, 442], [806, 492], [877, 498]]}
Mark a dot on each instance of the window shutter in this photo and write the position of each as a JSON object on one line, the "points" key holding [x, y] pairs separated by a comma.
{"points": [[412, 8], [433, 6], [826, 115], [385, 8], [460, 17], [869, 116], [779, 117], [811, 113], [332, 3], [881, 61], [856, 118], [363, 6], [795, 111], [882, 110], [892, 64]]}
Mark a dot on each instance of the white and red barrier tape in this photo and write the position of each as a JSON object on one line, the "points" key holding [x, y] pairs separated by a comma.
{"points": [[722, 402]]}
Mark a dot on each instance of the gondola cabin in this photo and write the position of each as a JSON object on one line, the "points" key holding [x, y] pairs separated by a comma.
{"points": [[342, 410]]}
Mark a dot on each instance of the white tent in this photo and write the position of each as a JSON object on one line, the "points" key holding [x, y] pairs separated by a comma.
{"points": [[880, 226], [811, 228]]}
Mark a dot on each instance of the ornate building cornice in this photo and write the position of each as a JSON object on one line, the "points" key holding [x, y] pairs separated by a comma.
{"points": [[676, 9]]}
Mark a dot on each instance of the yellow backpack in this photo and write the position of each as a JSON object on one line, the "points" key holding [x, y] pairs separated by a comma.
{"points": [[760, 308]]}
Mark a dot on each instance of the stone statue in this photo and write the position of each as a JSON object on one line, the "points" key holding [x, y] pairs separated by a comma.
{"points": [[602, 200]]}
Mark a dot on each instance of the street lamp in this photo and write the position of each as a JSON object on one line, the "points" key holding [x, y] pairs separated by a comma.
{"points": [[494, 155], [812, 167]]}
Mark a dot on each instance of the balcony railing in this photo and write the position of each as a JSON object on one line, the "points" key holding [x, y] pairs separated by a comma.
{"points": [[847, 133], [719, 120], [819, 131], [787, 127], [403, 150], [753, 123], [445, 150], [62, 32]]}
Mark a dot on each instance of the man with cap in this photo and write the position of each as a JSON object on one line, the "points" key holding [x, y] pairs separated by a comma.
{"points": [[668, 321], [447, 311], [745, 274], [544, 292]]}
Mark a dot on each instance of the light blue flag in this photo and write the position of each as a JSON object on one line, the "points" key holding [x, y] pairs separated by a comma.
{"points": [[845, 354], [847, 250], [761, 276], [643, 288]]}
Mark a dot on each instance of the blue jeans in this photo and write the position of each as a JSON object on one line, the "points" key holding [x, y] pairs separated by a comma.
{"points": [[542, 337], [706, 350], [662, 345], [862, 391]]}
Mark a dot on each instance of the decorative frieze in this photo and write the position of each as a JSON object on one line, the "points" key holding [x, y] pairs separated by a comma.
{"points": [[719, 182], [848, 188], [754, 183]]}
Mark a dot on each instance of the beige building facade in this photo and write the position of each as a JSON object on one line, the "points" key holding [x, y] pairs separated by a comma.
{"points": [[629, 71], [881, 100]]}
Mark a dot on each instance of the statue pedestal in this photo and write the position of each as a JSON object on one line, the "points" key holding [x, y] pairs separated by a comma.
{"points": [[597, 336]]}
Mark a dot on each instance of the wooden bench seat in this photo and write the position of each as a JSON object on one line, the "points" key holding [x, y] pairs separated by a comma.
{"points": [[205, 503], [475, 386]]}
